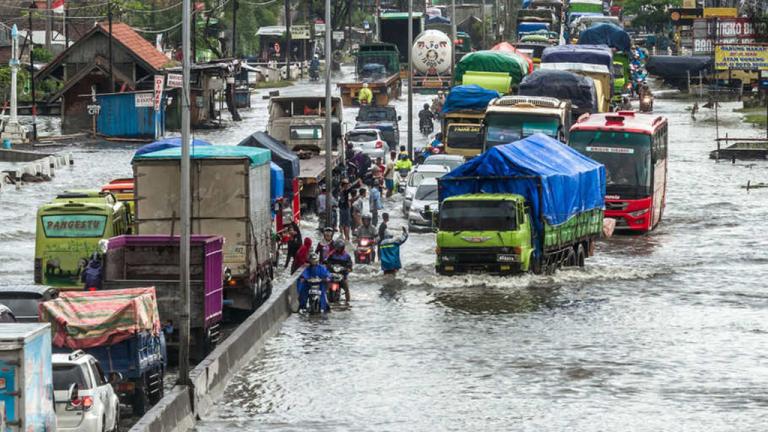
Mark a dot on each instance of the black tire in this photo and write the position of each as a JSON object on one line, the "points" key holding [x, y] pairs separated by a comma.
{"points": [[140, 401], [580, 256], [536, 266], [314, 306]]}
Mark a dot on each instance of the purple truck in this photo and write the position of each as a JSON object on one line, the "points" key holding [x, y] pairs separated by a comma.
{"points": [[153, 260]]}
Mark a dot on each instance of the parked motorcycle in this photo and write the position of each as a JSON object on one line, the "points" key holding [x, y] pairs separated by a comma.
{"points": [[365, 252], [314, 305], [338, 274]]}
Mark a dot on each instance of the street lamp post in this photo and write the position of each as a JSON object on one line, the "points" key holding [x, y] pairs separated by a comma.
{"points": [[410, 79]]}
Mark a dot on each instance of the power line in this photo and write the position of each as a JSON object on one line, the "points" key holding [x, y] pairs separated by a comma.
{"points": [[256, 4], [154, 10], [157, 31]]}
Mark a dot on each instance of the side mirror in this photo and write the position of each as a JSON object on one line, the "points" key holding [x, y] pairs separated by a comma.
{"points": [[73, 392], [399, 118], [115, 378]]}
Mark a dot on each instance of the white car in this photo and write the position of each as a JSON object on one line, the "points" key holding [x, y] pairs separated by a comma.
{"points": [[418, 175], [85, 400], [370, 142], [426, 196], [450, 161]]}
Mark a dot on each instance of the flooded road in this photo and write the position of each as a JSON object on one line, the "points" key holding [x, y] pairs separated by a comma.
{"points": [[659, 332]]}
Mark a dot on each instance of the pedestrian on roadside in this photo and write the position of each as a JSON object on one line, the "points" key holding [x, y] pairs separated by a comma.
{"points": [[294, 242], [302, 255], [389, 174], [357, 209], [345, 215], [382, 232], [375, 202]]}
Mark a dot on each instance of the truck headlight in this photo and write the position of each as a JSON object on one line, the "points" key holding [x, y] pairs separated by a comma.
{"points": [[447, 258]]}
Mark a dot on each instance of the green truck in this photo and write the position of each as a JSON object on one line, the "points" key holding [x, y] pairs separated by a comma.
{"points": [[378, 66], [532, 205]]}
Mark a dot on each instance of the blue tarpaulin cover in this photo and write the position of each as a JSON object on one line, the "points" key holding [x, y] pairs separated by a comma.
{"points": [[565, 85], [166, 144], [468, 97], [526, 27], [286, 159], [571, 183], [590, 54], [276, 181], [257, 156], [606, 34]]}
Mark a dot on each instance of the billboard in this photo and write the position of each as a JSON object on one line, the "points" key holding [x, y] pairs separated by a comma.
{"points": [[741, 57], [709, 32]]}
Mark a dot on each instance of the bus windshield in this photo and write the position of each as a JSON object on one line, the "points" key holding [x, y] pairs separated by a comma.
{"points": [[74, 226], [464, 136], [478, 215], [510, 127], [626, 156]]}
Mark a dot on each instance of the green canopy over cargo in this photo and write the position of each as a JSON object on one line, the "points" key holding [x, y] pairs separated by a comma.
{"points": [[493, 61]]}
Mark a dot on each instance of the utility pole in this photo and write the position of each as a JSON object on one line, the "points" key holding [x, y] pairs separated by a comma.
{"points": [[32, 74], [14, 131], [185, 200], [234, 28], [48, 25], [410, 79], [288, 40], [111, 66], [484, 44], [328, 110], [453, 41]]}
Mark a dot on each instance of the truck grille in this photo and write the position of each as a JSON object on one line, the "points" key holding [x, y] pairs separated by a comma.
{"points": [[616, 205], [543, 102], [472, 255]]}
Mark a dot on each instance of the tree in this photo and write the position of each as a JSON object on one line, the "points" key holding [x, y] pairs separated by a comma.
{"points": [[652, 15]]}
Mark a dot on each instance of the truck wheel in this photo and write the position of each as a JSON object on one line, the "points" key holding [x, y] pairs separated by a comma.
{"points": [[580, 256], [536, 266], [140, 401]]}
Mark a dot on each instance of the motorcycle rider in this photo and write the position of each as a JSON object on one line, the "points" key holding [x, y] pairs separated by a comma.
{"points": [[314, 67], [325, 245], [389, 252], [403, 162], [425, 118], [366, 229], [314, 270], [365, 96], [340, 257], [92, 275]]}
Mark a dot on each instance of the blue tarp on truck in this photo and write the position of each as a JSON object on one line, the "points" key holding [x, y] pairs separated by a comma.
{"points": [[590, 54], [606, 34], [570, 182], [468, 97]]}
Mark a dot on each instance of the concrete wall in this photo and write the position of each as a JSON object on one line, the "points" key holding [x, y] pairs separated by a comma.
{"points": [[20, 155], [179, 409]]}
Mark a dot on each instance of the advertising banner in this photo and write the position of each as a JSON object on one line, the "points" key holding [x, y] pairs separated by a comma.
{"points": [[741, 57], [709, 32]]}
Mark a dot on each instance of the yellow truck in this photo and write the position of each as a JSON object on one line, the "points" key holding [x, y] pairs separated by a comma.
{"points": [[512, 118]]}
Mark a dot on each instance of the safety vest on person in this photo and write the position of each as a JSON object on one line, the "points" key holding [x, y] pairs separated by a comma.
{"points": [[365, 95], [402, 164]]}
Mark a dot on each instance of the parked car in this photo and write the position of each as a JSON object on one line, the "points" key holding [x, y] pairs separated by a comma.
{"points": [[23, 301], [368, 141], [426, 196], [450, 161], [85, 399], [418, 175]]}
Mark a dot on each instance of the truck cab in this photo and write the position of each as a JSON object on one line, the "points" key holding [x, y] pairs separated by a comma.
{"points": [[299, 121], [510, 118], [462, 134], [484, 232], [383, 118]]}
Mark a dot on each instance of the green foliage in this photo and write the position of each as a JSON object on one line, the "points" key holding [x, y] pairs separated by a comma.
{"points": [[650, 14], [42, 55]]}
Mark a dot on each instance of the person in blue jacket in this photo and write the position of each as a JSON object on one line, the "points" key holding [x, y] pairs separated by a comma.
{"points": [[314, 270], [389, 252]]}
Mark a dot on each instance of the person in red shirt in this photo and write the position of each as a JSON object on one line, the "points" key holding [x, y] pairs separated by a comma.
{"points": [[302, 255]]}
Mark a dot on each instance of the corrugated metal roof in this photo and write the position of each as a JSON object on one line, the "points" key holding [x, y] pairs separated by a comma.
{"points": [[124, 34]]}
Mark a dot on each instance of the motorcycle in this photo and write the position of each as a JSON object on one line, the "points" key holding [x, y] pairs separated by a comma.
{"points": [[429, 151], [403, 178], [426, 128], [365, 252], [314, 305], [338, 274]]}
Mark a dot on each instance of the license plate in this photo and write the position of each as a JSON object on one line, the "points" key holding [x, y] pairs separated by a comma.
{"points": [[314, 291], [505, 258]]}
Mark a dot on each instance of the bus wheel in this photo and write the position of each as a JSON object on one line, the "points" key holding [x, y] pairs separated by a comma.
{"points": [[580, 256]]}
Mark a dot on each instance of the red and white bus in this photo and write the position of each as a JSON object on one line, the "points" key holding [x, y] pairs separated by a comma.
{"points": [[633, 148]]}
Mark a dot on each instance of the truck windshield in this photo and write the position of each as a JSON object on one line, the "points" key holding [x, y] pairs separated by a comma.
{"points": [[510, 127], [626, 156], [478, 216], [467, 137], [65, 375], [74, 225], [377, 114], [362, 136], [306, 132]]}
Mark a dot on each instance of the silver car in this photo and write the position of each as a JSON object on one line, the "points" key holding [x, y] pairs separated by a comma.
{"points": [[450, 161], [368, 141]]}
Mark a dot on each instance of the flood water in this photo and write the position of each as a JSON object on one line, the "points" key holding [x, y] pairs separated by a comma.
{"points": [[665, 331]]}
